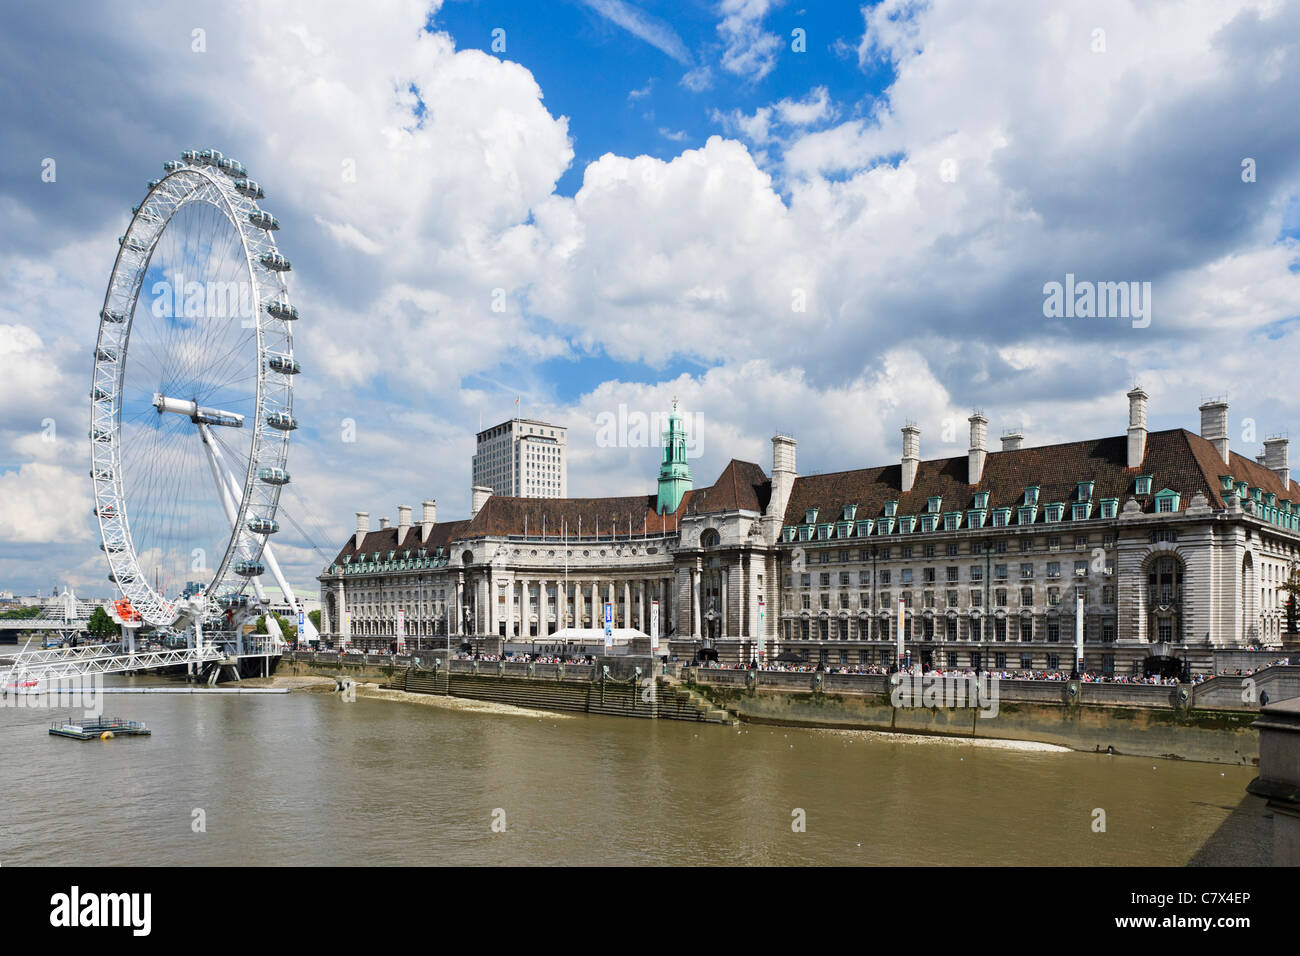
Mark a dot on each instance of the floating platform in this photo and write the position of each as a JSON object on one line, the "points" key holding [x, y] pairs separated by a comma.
{"points": [[103, 728]]}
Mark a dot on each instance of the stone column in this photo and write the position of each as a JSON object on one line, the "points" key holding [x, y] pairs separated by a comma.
{"points": [[723, 574], [695, 601], [455, 623], [490, 615], [640, 606], [525, 608], [542, 608], [627, 602], [595, 599]]}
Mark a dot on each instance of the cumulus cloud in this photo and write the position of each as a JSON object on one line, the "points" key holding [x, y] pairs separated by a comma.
{"points": [[828, 276]]}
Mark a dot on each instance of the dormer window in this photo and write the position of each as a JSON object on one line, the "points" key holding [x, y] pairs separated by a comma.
{"points": [[1241, 490], [1081, 510], [1166, 501], [1031, 496], [981, 500], [1085, 490], [1143, 485], [1053, 512], [864, 527], [850, 512], [934, 503], [927, 522], [1109, 507], [1227, 482], [891, 509], [906, 524], [810, 516], [952, 521], [975, 518], [1257, 493], [1026, 515]]}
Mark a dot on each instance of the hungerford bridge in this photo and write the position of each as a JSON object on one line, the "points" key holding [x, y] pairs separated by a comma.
{"points": [[189, 441]]}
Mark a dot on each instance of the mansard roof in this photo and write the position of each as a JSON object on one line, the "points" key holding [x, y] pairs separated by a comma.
{"points": [[742, 486], [384, 540], [1174, 459]]}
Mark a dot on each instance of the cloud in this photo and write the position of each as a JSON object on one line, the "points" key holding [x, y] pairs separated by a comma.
{"points": [[750, 51], [640, 24]]}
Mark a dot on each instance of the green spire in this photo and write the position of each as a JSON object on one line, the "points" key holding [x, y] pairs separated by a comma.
{"points": [[674, 473]]}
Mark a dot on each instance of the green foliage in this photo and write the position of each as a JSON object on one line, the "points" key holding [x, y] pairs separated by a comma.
{"points": [[101, 626], [22, 613], [314, 617], [287, 630]]}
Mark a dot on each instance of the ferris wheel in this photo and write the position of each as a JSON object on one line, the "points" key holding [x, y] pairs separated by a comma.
{"points": [[192, 396]]}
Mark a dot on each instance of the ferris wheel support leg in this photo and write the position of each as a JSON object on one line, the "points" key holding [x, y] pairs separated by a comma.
{"points": [[268, 552], [217, 464]]}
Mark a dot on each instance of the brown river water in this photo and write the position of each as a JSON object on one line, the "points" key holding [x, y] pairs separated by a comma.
{"points": [[307, 778]]}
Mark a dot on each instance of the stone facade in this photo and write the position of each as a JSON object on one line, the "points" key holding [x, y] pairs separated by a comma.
{"points": [[1176, 556]]}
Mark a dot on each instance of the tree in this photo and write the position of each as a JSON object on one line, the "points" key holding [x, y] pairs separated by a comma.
{"points": [[314, 616], [101, 626], [288, 631], [1292, 588]]}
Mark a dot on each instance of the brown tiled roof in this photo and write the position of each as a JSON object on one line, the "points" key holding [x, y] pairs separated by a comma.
{"points": [[742, 486], [1175, 459]]}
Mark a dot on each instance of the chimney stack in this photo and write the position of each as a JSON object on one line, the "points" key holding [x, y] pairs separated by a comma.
{"points": [[383, 524], [979, 448], [403, 523], [363, 528], [783, 475], [479, 495], [1137, 426], [1013, 440], [428, 520], [911, 455], [1277, 459], [1214, 426]]}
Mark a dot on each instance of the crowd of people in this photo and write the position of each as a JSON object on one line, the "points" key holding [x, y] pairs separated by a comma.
{"points": [[1088, 677]]}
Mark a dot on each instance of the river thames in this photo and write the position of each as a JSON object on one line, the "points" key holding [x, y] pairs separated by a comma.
{"points": [[307, 778]]}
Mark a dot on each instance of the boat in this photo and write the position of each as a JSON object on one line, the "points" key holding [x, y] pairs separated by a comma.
{"points": [[104, 728]]}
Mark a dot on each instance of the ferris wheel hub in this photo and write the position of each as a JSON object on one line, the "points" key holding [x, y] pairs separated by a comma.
{"points": [[196, 412]]}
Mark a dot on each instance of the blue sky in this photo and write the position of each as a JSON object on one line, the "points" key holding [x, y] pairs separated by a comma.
{"points": [[638, 200]]}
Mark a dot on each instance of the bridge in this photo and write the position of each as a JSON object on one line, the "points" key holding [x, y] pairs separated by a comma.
{"points": [[64, 615], [28, 668]]}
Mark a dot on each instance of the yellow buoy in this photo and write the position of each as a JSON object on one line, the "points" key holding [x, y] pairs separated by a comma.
{"points": [[106, 735]]}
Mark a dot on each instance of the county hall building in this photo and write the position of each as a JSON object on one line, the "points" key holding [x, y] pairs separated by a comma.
{"points": [[1178, 546]]}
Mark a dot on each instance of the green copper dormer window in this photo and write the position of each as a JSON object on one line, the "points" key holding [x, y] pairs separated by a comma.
{"points": [[891, 509], [1001, 517], [850, 512], [347, 559], [1257, 494], [824, 532], [885, 525], [1081, 511], [927, 522], [1270, 499], [906, 524], [952, 521], [1227, 482], [1053, 512], [1167, 501], [1143, 485], [934, 503], [1026, 515], [844, 529], [1109, 507], [810, 516], [981, 500], [1241, 490], [1031, 496], [788, 532], [805, 532], [1085, 490], [975, 517], [864, 527]]}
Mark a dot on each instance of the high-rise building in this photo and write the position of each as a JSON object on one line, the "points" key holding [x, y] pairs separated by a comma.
{"points": [[523, 458]]}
